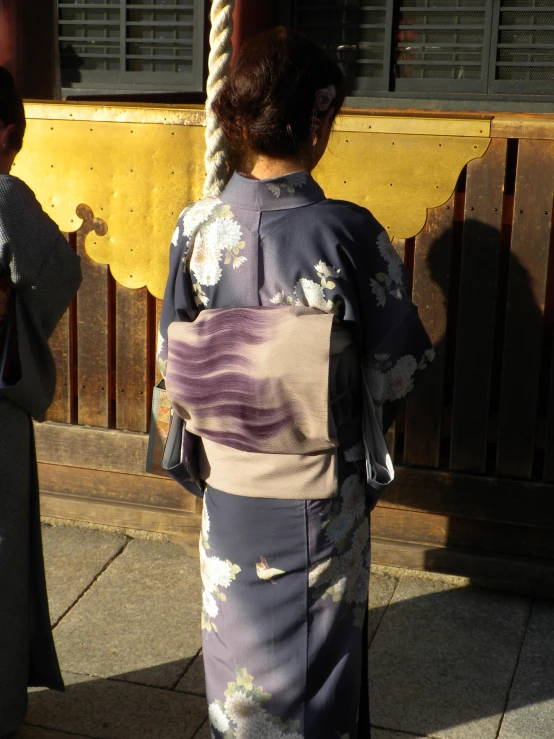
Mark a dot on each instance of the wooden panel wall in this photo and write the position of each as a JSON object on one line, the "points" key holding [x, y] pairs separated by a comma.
{"points": [[474, 446]]}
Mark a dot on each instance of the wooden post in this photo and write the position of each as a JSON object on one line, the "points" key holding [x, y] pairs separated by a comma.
{"points": [[28, 45], [252, 17], [7, 35]]}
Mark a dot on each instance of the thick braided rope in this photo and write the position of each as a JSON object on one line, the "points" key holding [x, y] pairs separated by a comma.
{"points": [[219, 62]]}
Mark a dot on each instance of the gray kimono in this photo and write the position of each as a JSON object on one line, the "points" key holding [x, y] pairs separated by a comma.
{"points": [[285, 573], [44, 273]]}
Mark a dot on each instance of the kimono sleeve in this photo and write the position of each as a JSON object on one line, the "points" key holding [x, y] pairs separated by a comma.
{"points": [[395, 345], [178, 303]]}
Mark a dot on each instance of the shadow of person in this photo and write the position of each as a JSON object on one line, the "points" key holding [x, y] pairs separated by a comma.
{"points": [[71, 64], [134, 705], [453, 653], [490, 356], [492, 352], [442, 664]]}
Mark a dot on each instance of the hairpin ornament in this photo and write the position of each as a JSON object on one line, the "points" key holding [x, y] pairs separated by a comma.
{"points": [[323, 100]]}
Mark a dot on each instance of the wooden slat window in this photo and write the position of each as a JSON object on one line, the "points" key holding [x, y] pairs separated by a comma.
{"points": [[441, 45], [128, 45], [524, 55], [427, 47], [358, 33]]}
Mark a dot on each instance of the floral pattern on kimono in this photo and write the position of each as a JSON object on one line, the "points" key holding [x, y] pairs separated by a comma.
{"points": [[282, 242], [216, 574], [242, 714], [389, 283], [343, 577], [310, 293], [214, 235], [288, 183]]}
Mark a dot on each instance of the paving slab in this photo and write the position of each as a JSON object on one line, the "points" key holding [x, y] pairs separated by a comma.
{"points": [[381, 590], [386, 734], [37, 732], [112, 709], [204, 732], [140, 621], [530, 711], [443, 658], [73, 558], [194, 680]]}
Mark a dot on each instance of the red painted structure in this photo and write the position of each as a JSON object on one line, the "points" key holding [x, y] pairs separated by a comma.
{"points": [[251, 17], [27, 30]]}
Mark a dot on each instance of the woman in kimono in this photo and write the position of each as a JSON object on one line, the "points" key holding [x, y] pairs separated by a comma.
{"points": [[39, 276], [284, 546]]}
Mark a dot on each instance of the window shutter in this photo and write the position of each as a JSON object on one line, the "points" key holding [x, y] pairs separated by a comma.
{"points": [[523, 61], [480, 48], [128, 45], [441, 45], [356, 33]]}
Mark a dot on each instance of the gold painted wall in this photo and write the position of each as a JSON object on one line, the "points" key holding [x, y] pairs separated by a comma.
{"points": [[138, 167]]}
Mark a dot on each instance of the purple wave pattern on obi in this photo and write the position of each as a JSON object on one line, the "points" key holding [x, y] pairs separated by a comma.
{"points": [[211, 379]]}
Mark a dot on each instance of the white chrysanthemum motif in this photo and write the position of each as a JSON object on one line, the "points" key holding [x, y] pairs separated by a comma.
{"points": [[204, 263], [356, 587], [261, 727], [311, 294], [400, 379], [340, 526], [217, 716], [388, 383], [278, 298], [243, 715], [240, 707], [175, 237], [353, 490], [379, 291], [205, 521], [209, 604], [223, 233], [195, 215], [288, 183], [297, 179], [345, 576], [161, 346], [320, 573], [215, 574], [238, 262], [389, 284], [390, 255], [326, 270], [218, 572]]}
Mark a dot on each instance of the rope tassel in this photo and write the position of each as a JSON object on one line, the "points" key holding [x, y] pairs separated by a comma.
{"points": [[219, 64]]}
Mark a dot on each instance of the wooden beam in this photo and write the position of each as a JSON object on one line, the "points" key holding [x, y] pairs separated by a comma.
{"points": [[505, 573], [472, 496]]}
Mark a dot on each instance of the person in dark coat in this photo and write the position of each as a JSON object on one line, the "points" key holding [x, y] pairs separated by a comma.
{"points": [[39, 277]]}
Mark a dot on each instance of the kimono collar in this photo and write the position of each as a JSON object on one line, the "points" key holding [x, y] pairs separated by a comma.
{"points": [[290, 191]]}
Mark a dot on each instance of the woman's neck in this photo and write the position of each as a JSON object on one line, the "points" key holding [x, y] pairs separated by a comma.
{"points": [[267, 168]]}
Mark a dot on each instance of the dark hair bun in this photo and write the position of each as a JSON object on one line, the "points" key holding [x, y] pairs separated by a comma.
{"points": [[11, 109], [268, 101]]}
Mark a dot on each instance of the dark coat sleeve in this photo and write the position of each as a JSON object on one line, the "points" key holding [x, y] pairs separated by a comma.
{"points": [[45, 274]]}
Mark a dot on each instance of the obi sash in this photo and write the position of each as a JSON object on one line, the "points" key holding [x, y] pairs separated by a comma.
{"points": [[270, 391]]}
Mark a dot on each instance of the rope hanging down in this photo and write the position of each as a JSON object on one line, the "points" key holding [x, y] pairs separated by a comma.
{"points": [[219, 63]]}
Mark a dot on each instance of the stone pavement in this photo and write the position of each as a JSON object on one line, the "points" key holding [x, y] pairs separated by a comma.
{"points": [[447, 661]]}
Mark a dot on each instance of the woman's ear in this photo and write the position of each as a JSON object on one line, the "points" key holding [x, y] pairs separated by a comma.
{"points": [[5, 135]]}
